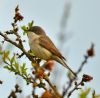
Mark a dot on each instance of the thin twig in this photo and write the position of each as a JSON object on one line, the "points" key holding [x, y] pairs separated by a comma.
{"points": [[54, 88], [30, 58], [89, 54], [71, 80], [85, 78], [14, 92], [75, 88], [1, 82]]}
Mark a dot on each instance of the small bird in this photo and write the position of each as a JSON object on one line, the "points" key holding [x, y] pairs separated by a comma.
{"points": [[43, 48]]}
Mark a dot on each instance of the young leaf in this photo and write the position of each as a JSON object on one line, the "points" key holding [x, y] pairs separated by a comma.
{"points": [[85, 93], [12, 59], [1, 52], [8, 68], [24, 28], [23, 69], [16, 65], [5, 55], [30, 24]]}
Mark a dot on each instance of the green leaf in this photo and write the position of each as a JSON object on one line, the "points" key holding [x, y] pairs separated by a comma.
{"points": [[8, 68], [23, 69], [16, 65], [85, 93], [24, 28], [1, 52], [5, 55], [30, 24], [12, 59]]}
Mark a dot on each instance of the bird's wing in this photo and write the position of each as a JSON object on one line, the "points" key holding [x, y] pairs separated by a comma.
{"points": [[48, 44]]}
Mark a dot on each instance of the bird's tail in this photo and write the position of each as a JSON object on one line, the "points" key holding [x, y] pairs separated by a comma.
{"points": [[61, 61]]}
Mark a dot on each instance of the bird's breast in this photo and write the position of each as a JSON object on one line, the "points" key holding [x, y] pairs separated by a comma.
{"points": [[39, 51]]}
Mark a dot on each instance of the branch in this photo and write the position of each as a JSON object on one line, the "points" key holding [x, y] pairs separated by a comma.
{"points": [[1, 82], [85, 78], [13, 93], [54, 88], [30, 57], [90, 53]]}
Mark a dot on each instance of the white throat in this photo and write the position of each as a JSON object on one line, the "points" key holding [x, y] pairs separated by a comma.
{"points": [[32, 36]]}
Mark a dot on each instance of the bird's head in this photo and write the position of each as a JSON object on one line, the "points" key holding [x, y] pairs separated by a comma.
{"points": [[37, 30]]}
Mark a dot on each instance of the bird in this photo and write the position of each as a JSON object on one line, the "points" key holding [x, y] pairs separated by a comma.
{"points": [[43, 48]]}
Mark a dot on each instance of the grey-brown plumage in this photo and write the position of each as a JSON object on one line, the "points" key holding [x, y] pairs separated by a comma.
{"points": [[43, 47]]}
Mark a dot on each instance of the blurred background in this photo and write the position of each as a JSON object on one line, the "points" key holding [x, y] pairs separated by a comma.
{"points": [[71, 24]]}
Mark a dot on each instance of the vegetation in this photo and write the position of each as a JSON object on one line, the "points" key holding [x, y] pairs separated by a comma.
{"points": [[40, 72]]}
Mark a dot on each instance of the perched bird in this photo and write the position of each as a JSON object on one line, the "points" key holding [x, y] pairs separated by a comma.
{"points": [[43, 47]]}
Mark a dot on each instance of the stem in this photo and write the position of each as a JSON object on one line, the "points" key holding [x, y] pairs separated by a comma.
{"points": [[53, 87], [31, 59], [75, 88]]}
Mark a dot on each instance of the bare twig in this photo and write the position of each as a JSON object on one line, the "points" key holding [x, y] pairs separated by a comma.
{"points": [[54, 88], [19, 44], [1, 82], [31, 58], [75, 88], [85, 78], [89, 54], [13, 93]]}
